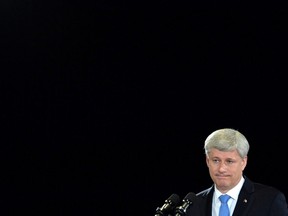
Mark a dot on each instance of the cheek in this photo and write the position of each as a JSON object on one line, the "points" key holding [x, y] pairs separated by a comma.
{"points": [[211, 168]]}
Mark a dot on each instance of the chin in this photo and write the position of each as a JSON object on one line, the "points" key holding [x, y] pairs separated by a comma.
{"points": [[222, 184]]}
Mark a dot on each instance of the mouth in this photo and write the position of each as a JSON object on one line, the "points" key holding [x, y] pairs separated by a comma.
{"points": [[222, 176]]}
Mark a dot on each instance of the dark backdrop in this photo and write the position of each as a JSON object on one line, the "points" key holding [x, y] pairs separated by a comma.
{"points": [[106, 104]]}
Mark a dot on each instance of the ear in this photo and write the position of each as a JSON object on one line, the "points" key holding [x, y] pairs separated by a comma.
{"points": [[207, 161], [244, 162]]}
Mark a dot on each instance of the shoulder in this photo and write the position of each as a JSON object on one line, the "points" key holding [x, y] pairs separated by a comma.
{"points": [[206, 192], [261, 190], [258, 187]]}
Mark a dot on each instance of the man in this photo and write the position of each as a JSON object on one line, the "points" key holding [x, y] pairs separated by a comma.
{"points": [[226, 157]]}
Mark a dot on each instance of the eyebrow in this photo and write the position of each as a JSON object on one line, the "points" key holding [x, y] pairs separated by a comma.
{"points": [[223, 159]]}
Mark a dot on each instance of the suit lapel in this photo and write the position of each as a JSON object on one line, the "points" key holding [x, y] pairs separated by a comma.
{"points": [[245, 199]]}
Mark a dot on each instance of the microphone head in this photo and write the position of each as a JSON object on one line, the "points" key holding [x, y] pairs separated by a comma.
{"points": [[169, 205], [174, 199], [191, 197], [187, 202]]}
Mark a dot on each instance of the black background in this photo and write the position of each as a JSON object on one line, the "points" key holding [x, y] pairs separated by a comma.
{"points": [[106, 104]]}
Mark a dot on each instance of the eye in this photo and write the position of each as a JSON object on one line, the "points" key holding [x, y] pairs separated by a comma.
{"points": [[215, 160], [230, 161]]}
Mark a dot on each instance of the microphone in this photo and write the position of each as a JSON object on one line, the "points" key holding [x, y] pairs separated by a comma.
{"points": [[168, 206], [187, 202]]}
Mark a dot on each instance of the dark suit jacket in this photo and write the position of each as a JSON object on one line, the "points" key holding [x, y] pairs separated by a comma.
{"points": [[254, 200]]}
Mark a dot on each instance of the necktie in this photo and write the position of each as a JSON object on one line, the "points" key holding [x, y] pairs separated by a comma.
{"points": [[224, 210]]}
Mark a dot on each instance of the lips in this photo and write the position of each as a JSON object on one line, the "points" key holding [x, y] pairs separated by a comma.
{"points": [[222, 176]]}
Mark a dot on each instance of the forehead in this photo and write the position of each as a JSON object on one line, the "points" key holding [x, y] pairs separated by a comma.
{"points": [[223, 154]]}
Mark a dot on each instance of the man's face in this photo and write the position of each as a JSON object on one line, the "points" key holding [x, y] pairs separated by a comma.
{"points": [[225, 168]]}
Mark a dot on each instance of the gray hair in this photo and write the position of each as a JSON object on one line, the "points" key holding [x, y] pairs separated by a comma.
{"points": [[227, 139]]}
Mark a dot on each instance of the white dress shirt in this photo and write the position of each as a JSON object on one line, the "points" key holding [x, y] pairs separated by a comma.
{"points": [[233, 193]]}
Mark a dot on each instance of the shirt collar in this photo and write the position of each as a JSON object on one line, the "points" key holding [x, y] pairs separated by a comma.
{"points": [[234, 192]]}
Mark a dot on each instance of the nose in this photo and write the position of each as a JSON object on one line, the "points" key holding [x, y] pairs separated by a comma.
{"points": [[222, 166]]}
